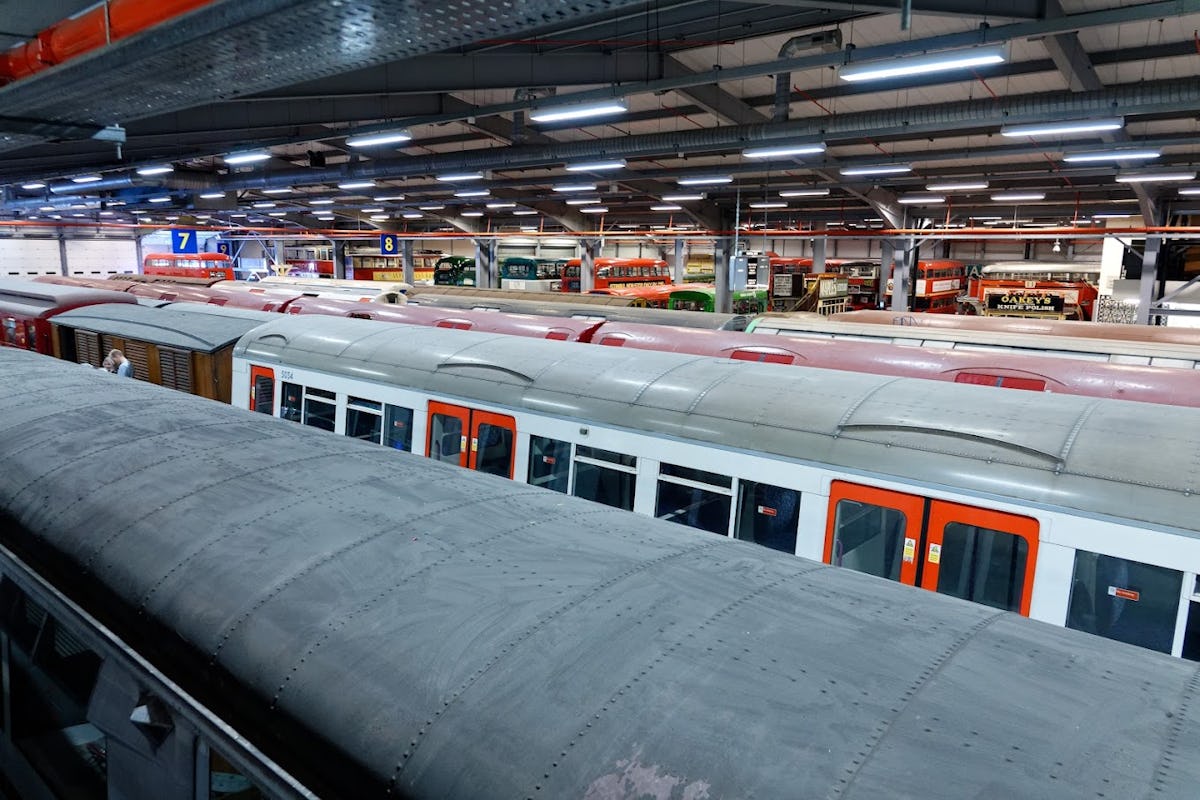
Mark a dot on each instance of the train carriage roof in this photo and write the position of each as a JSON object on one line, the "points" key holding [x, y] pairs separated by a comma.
{"points": [[36, 299], [1117, 458], [201, 330]]}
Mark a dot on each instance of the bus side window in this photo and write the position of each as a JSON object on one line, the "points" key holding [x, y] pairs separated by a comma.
{"points": [[398, 427], [549, 463]]}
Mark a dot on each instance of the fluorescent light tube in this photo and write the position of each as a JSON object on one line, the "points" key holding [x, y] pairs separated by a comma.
{"points": [[923, 64], [666, 207], [594, 210], [247, 157], [597, 166], [472, 193], [576, 187], [34, 185], [1063, 128], [1111, 155], [579, 111], [281, 190], [264, 204], [681, 198], [768, 205], [783, 151], [472, 213], [212, 195], [501, 205], [1001, 197], [804, 193], [960, 186], [1188, 190], [876, 169], [583, 201], [460, 176], [86, 179], [159, 200], [436, 207], [1160, 177], [157, 169], [376, 139], [524, 212], [322, 202], [914, 199], [413, 215], [356, 185], [387, 198], [704, 180]]}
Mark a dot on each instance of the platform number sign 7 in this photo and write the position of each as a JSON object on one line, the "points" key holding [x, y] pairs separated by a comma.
{"points": [[183, 241], [389, 244]]}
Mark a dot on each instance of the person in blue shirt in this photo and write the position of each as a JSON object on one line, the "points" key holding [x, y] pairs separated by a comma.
{"points": [[123, 365]]}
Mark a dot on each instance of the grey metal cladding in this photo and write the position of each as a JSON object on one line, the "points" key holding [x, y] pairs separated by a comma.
{"points": [[459, 635], [1128, 460]]}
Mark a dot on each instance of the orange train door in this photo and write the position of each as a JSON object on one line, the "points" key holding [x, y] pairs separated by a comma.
{"points": [[478, 440], [976, 554], [262, 390]]}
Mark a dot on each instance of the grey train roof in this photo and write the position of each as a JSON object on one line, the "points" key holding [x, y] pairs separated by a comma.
{"points": [[200, 330], [374, 620], [33, 299], [1103, 456]]}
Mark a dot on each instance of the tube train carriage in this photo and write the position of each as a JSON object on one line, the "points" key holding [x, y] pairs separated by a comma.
{"points": [[203, 601], [1075, 511]]}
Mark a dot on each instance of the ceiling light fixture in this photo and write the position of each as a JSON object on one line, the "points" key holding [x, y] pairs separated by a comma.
{"points": [[380, 217], [264, 204], [594, 210], [472, 193], [804, 193], [371, 210], [86, 179], [472, 213], [1064, 128], [578, 111], [247, 157], [1155, 177], [1110, 155], [434, 207], [783, 151], [576, 187], [923, 64], [376, 139], [453, 177], [681, 198], [321, 202], [768, 205], [413, 215], [34, 185], [666, 207], [156, 169], [387, 198], [704, 180], [280, 190], [597, 166], [915, 199], [583, 201], [876, 169], [959, 186], [159, 200], [501, 205], [356, 185], [1013, 197], [1190, 190], [212, 195], [524, 212]]}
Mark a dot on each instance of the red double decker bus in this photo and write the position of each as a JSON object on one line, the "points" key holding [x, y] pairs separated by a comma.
{"points": [[617, 273], [189, 265], [938, 284]]}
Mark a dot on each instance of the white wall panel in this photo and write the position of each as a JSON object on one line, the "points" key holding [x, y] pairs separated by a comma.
{"points": [[99, 258], [27, 258]]}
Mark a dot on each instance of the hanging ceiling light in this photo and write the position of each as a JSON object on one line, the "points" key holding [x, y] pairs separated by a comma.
{"points": [[783, 151], [876, 169], [1111, 155], [452, 177], [247, 157], [380, 138], [1064, 128], [956, 186], [597, 166], [923, 64], [578, 111], [1016, 197], [804, 193], [704, 180], [155, 169], [1162, 176]]}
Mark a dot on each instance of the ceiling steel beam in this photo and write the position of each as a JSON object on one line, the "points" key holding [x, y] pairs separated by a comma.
{"points": [[712, 98]]}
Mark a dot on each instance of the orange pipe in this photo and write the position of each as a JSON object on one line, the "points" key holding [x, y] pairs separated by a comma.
{"points": [[99, 27]]}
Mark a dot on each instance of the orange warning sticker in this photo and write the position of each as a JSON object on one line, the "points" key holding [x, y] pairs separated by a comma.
{"points": [[935, 553], [910, 550], [1125, 594]]}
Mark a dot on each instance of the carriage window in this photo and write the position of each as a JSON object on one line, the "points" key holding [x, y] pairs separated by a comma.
{"points": [[398, 427], [364, 419], [226, 782], [694, 498], [549, 463], [768, 515], [289, 407], [320, 408], [494, 443], [264, 393], [982, 565], [1124, 600], [868, 538], [605, 476], [446, 434]]}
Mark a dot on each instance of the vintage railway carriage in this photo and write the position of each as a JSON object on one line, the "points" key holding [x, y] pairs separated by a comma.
{"points": [[185, 347], [388, 627], [26, 308], [1075, 511]]}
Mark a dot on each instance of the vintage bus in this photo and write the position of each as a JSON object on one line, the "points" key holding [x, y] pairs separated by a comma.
{"points": [[454, 271], [698, 297], [376, 267], [189, 265], [525, 274], [1051, 290], [613, 273], [936, 288]]}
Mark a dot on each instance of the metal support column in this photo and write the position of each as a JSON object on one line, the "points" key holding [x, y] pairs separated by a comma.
{"points": [[679, 268], [406, 260], [902, 265], [818, 255], [589, 250], [1146, 289], [723, 250], [339, 259], [139, 251], [62, 254], [485, 263]]}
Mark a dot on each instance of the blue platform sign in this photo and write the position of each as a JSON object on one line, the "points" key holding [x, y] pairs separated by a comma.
{"points": [[184, 242], [223, 247], [389, 244]]}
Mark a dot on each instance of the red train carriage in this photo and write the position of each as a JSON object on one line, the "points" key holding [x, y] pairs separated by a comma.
{"points": [[189, 265], [26, 308]]}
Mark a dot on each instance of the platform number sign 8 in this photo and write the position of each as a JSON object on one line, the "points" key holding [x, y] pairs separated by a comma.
{"points": [[389, 244], [183, 241]]}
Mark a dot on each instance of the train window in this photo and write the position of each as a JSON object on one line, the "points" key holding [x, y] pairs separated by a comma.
{"points": [[869, 538], [289, 407], [549, 463], [10, 331], [982, 565], [364, 419], [694, 498], [225, 782], [175, 368], [1125, 600], [1191, 631], [320, 408], [445, 439], [398, 422], [494, 445], [768, 515], [605, 476], [262, 394]]}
